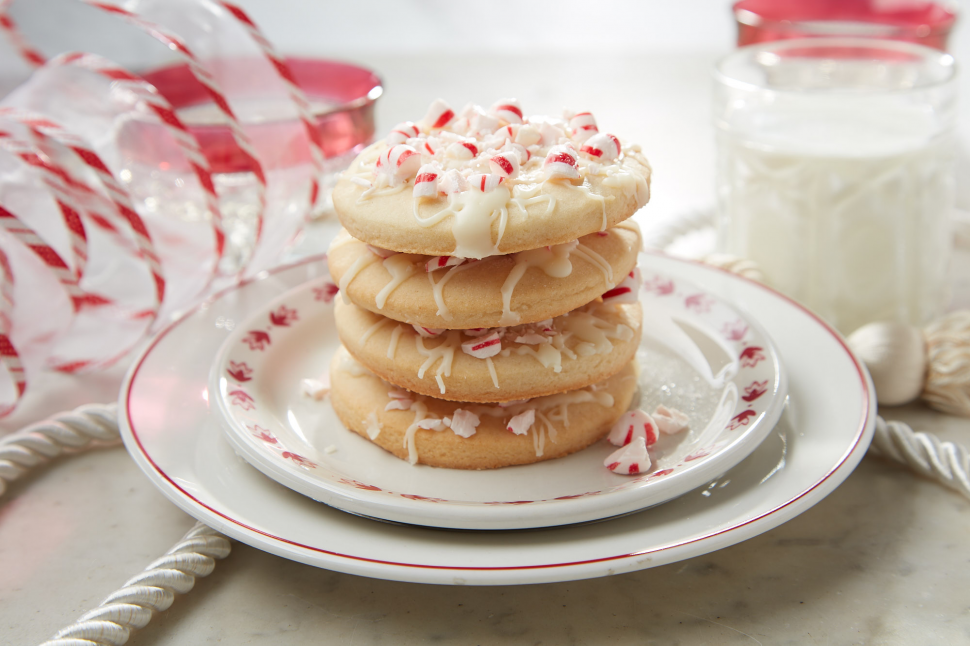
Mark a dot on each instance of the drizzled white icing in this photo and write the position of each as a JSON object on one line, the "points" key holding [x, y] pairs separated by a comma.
{"points": [[553, 261], [582, 332]]}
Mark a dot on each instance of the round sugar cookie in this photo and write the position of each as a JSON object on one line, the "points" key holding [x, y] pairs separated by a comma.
{"points": [[539, 284], [522, 213], [571, 351], [361, 401]]}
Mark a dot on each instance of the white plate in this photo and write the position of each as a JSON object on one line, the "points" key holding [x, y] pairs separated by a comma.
{"points": [[176, 439], [734, 395]]}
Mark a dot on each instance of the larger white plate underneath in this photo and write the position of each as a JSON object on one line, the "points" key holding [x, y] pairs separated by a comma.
{"points": [[699, 354], [176, 439]]}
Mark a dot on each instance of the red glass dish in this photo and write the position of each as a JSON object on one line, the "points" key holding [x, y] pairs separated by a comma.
{"points": [[924, 23], [341, 96]]}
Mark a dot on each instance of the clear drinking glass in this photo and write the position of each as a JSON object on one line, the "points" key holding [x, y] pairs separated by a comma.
{"points": [[835, 173]]}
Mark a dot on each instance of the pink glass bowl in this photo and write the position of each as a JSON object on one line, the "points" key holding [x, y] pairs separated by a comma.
{"points": [[924, 23], [341, 95]]}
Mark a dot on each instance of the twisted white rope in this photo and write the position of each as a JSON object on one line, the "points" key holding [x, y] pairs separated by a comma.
{"points": [[111, 623], [945, 462], [39, 442]]}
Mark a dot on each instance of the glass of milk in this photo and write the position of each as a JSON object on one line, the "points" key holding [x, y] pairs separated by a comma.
{"points": [[835, 173]]}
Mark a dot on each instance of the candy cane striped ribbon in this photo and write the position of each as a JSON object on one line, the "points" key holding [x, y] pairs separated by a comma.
{"points": [[26, 236], [117, 193], [9, 27], [209, 84], [165, 113], [295, 91], [60, 184], [9, 357]]}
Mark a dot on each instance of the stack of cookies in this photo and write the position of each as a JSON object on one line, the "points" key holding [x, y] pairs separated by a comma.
{"points": [[488, 284]]}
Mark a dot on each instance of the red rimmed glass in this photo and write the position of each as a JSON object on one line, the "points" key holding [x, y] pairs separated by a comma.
{"points": [[924, 23]]}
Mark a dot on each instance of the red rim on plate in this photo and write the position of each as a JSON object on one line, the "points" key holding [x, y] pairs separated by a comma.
{"points": [[861, 435]]}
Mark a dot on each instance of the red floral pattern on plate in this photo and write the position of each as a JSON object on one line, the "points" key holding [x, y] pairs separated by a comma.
{"points": [[283, 316], [735, 331], [256, 340], [741, 419], [299, 459], [700, 303], [755, 390], [751, 356], [240, 371], [242, 399], [659, 285], [325, 292], [263, 434]]}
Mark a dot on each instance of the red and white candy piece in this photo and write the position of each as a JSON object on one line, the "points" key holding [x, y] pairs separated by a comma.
{"points": [[463, 423], [429, 146], [521, 423], [402, 132], [561, 163], [603, 146], [484, 124], [627, 291], [316, 388], [379, 252], [483, 347], [532, 338], [508, 110], [504, 165], [452, 182], [477, 332], [427, 332], [550, 133], [509, 132], [426, 181], [399, 162], [462, 150], [400, 399], [582, 126], [629, 460], [631, 425], [440, 262], [523, 153], [485, 182], [439, 115], [670, 420]]}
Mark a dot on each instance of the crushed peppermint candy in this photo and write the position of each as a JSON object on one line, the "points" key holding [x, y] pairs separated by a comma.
{"points": [[316, 388], [627, 291], [483, 347], [399, 162], [521, 423], [440, 262], [439, 115], [463, 423], [508, 110], [452, 182], [631, 459], [631, 425], [427, 332], [561, 163], [402, 132], [670, 420], [582, 126], [485, 182], [372, 425], [603, 146], [504, 165], [426, 181]]}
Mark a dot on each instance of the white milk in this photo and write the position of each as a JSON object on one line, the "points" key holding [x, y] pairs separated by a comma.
{"points": [[844, 210]]}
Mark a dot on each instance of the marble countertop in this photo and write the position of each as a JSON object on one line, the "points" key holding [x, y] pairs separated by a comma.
{"points": [[883, 559]]}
